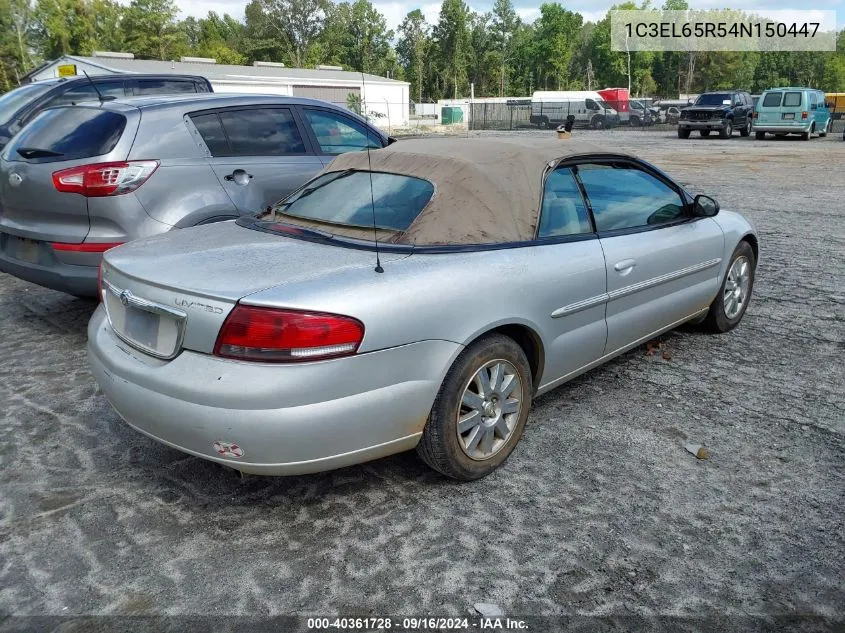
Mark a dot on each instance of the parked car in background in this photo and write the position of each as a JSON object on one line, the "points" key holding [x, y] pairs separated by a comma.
{"points": [[640, 113], [19, 106], [276, 345], [79, 180], [551, 108], [783, 111], [721, 112]]}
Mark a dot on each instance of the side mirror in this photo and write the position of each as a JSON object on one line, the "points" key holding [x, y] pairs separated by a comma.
{"points": [[391, 140], [704, 206]]}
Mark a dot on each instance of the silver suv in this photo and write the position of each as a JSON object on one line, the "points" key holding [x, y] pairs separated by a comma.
{"points": [[79, 180]]}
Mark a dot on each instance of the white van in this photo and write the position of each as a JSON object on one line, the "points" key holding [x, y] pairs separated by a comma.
{"points": [[551, 108]]}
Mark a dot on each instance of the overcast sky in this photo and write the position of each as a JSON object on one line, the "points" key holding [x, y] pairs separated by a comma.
{"points": [[394, 11]]}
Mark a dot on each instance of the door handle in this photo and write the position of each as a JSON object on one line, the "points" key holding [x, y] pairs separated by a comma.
{"points": [[625, 266], [239, 177]]}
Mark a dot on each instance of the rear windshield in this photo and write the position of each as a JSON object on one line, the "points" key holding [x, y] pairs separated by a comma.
{"points": [[772, 99], [715, 98], [346, 198], [15, 99], [67, 133], [791, 99]]}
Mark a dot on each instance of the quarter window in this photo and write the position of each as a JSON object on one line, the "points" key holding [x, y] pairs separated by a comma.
{"points": [[211, 130], [337, 134], [624, 197], [563, 211]]}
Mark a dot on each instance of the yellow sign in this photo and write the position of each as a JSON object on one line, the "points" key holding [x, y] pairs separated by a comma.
{"points": [[67, 70]]}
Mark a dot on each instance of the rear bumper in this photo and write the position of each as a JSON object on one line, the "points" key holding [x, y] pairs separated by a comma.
{"points": [[76, 275], [283, 419], [788, 128]]}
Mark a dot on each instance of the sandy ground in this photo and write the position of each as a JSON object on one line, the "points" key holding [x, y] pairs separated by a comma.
{"points": [[600, 510]]}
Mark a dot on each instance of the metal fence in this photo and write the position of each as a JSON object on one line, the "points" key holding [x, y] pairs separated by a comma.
{"points": [[396, 119]]}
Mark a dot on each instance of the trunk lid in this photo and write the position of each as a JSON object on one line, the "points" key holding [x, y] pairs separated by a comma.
{"points": [[30, 205], [202, 272]]}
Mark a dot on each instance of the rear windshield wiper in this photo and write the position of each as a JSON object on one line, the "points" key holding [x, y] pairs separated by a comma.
{"points": [[34, 152]]}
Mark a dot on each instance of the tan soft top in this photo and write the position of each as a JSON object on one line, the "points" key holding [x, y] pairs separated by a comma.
{"points": [[486, 190]]}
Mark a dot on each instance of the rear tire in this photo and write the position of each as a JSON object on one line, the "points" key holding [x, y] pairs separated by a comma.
{"points": [[746, 131], [597, 123], [760, 136], [682, 133], [805, 136], [730, 304], [823, 133], [446, 448]]}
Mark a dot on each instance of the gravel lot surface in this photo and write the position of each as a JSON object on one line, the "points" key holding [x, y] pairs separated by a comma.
{"points": [[600, 510]]}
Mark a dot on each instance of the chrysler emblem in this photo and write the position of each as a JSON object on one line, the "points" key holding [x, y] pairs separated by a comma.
{"points": [[15, 179], [125, 296]]}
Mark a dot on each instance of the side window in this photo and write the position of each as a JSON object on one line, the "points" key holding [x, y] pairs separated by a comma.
{"points": [[262, 132], [563, 211], [162, 87], [624, 197], [813, 101], [592, 105], [211, 130], [337, 134], [85, 92]]}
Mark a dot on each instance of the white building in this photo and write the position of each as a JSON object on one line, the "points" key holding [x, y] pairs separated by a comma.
{"points": [[385, 100]]}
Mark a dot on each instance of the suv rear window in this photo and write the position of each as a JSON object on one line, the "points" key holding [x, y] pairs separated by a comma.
{"points": [[68, 134], [346, 198], [791, 99], [772, 99]]}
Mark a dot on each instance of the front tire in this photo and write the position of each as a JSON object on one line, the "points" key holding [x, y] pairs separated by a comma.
{"points": [[597, 123], [730, 304], [727, 131], [480, 411]]}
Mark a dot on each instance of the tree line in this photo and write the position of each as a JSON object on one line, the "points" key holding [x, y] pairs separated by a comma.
{"points": [[496, 52]]}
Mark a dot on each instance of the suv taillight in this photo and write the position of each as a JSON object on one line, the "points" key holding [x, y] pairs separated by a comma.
{"points": [[274, 335], [804, 115], [104, 179]]}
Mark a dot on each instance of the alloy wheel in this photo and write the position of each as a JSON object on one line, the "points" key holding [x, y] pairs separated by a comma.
{"points": [[736, 287], [489, 409]]}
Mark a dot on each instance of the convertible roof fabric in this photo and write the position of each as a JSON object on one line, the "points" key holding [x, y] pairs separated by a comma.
{"points": [[486, 190]]}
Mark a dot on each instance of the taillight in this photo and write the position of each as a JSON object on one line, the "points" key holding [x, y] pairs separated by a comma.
{"points": [[804, 115], [104, 179], [755, 115], [275, 335]]}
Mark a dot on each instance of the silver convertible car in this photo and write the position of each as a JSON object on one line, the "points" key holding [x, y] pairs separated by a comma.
{"points": [[418, 296]]}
